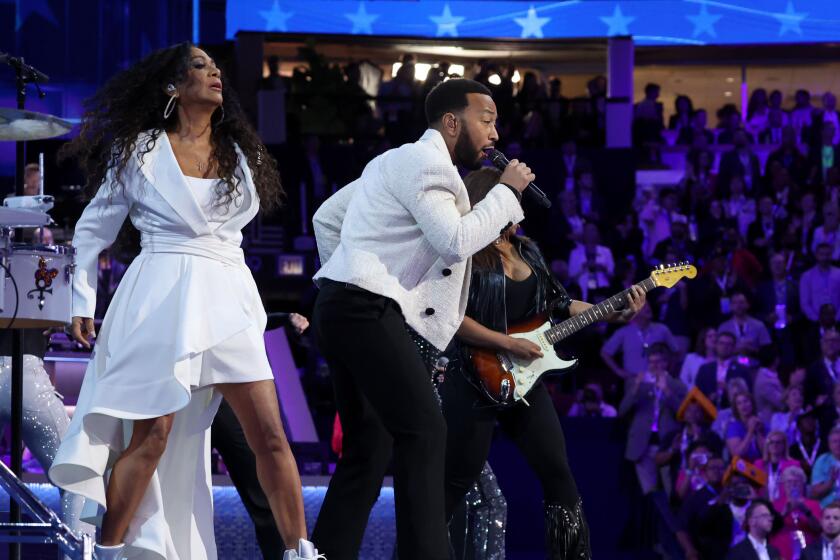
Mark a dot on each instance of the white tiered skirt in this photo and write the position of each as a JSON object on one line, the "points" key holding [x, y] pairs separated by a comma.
{"points": [[177, 325]]}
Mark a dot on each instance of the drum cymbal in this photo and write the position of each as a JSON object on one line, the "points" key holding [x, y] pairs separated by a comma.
{"points": [[28, 125]]}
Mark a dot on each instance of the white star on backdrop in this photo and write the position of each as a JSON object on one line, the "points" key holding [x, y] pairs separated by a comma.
{"points": [[790, 20], [362, 20], [704, 22], [617, 22], [532, 25], [275, 19], [447, 24]]}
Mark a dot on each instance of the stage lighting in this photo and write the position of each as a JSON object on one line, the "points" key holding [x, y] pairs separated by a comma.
{"points": [[456, 69], [421, 70]]}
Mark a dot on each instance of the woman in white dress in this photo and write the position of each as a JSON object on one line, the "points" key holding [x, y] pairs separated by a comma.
{"points": [[166, 145]]}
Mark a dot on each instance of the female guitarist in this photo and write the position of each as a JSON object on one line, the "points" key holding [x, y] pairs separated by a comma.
{"points": [[511, 282]]}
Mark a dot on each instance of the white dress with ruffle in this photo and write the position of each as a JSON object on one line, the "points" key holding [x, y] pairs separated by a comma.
{"points": [[187, 315]]}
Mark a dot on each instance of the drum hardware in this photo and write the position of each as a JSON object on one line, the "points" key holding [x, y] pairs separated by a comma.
{"points": [[47, 528], [20, 125]]}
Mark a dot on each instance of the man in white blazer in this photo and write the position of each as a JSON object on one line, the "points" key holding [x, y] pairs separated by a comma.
{"points": [[395, 246]]}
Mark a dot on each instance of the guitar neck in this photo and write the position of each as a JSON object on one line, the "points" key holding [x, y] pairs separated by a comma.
{"points": [[595, 313]]}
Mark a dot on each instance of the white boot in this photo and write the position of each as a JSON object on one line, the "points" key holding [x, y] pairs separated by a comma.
{"points": [[101, 552], [305, 551]]}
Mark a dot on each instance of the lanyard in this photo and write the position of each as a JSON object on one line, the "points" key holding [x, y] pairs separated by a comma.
{"points": [[810, 457]]}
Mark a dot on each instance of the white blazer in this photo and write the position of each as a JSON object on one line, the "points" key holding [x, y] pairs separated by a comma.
{"points": [[405, 230], [160, 205]]}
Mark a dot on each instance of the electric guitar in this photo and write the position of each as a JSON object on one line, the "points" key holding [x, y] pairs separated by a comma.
{"points": [[506, 379]]}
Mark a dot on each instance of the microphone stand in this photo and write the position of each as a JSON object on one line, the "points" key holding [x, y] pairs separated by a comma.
{"points": [[24, 74]]}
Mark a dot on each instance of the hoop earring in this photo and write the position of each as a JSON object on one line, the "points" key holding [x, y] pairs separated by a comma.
{"points": [[170, 106]]}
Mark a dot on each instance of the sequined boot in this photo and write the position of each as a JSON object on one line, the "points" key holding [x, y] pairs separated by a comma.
{"points": [[101, 552], [566, 533]]}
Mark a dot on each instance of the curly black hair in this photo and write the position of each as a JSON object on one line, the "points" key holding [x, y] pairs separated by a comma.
{"points": [[133, 101]]}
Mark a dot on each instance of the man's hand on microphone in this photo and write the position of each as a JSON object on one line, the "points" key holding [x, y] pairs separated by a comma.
{"points": [[517, 175]]}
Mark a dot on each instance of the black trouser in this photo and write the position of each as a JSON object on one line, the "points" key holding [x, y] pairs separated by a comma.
{"points": [[534, 429], [386, 403], [228, 438]]}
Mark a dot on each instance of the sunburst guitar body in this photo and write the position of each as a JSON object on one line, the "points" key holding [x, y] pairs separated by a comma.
{"points": [[506, 379]]}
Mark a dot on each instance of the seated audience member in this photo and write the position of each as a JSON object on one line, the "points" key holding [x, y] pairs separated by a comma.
{"points": [[823, 153], [626, 239], [740, 161], [800, 115], [705, 517], [704, 352], [790, 157], [826, 471], [785, 420], [830, 410], [712, 377], [826, 547], [776, 459], [821, 376], [633, 341], [746, 433], [758, 524], [565, 225], [651, 399], [777, 298], [784, 193], [749, 332], [590, 263], [829, 232], [774, 132], [820, 284], [767, 387], [656, 218], [813, 333], [678, 242], [801, 515], [739, 206], [764, 234], [591, 404], [734, 387], [590, 202], [683, 111], [806, 221], [688, 136], [758, 112], [808, 446]]}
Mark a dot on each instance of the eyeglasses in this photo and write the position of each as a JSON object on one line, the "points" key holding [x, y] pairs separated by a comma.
{"points": [[763, 515]]}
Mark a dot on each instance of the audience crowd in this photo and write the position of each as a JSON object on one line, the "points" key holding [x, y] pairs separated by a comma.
{"points": [[729, 384]]}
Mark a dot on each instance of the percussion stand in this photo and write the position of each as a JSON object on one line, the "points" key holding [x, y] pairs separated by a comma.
{"points": [[24, 74]]}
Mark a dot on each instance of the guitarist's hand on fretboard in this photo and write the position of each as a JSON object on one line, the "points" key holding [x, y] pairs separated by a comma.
{"points": [[635, 301]]}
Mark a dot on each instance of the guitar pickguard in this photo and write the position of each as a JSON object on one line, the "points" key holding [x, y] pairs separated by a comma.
{"points": [[527, 373]]}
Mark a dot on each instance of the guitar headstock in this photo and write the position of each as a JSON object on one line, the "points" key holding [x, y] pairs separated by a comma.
{"points": [[668, 275]]}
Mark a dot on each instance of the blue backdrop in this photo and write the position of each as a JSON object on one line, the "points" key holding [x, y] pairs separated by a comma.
{"points": [[651, 22]]}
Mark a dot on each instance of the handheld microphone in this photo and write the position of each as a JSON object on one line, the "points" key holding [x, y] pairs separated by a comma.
{"points": [[498, 159]]}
